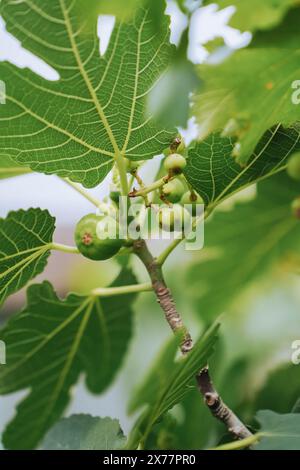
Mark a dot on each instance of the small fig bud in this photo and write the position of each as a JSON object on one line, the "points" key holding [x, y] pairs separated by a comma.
{"points": [[173, 218]]}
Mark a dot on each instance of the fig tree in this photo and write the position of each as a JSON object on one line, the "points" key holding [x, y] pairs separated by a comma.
{"points": [[173, 218]]}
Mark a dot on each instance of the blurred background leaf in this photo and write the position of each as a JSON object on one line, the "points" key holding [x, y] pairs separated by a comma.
{"points": [[244, 87], [85, 432]]}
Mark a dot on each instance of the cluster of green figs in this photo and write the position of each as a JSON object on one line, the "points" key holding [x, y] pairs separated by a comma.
{"points": [[180, 206]]}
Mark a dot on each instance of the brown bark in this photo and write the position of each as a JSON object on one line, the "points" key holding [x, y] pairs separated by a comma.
{"points": [[165, 299], [218, 408]]}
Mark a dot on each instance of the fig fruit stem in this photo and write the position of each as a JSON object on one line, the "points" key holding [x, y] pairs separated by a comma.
{"points": [[142, 186], [149, 189]]}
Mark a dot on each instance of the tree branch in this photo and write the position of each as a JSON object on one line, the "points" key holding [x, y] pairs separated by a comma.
{"points": [[163, 294], [218, 408], [173, 317]]}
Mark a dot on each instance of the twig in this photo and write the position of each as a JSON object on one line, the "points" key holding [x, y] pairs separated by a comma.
{"points": [[149, 189], [218, 408], [99, 204], [173, 317], [163, 294], [64, 248], [247, 443]]}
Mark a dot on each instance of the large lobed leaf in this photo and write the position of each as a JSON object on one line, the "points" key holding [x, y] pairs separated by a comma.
{"points": [[76, 126], [85, 432], [243, 244], [251, 91], [25, 244], [50, 343], [167, 383], [215, 175]]}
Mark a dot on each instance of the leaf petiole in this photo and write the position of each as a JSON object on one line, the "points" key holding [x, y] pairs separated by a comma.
{"points": [[242, 444], [110, 291], [64, 248]]}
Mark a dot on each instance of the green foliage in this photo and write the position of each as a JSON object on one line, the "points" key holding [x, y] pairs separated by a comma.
{"points": [[25, 241], [114, 111], [243, 245], [215, 175], [279, 432], [233, 99], [161, 391], [85, 432], [50, 343], [77, 125]]}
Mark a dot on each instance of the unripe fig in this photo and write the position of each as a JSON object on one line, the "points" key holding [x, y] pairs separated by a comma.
{"points": [[191, 200], [175, 163], [177, 146], [91, 240], [173, 190], [293, 167], [296, 208], [173, 218], [131, 166]]}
